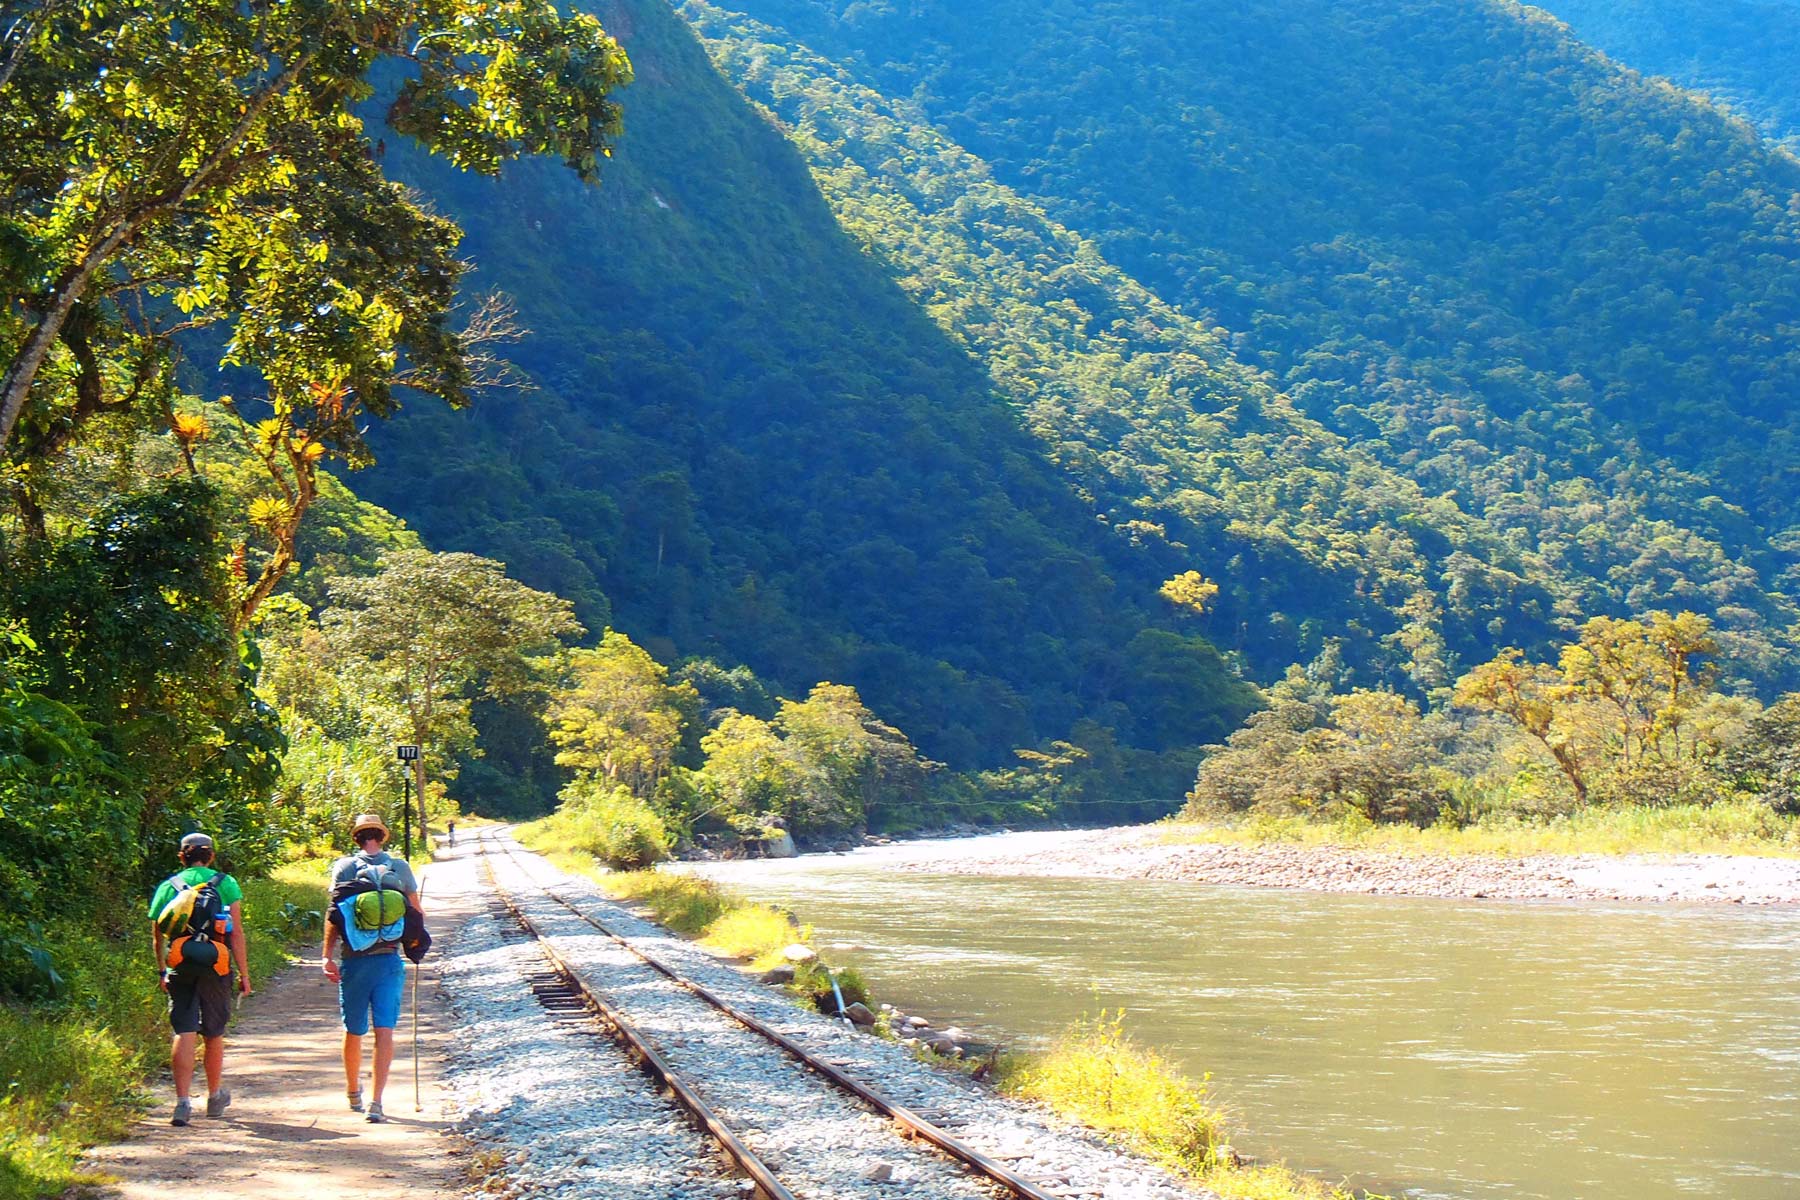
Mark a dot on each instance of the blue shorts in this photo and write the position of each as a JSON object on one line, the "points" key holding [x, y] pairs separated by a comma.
{"points": [[371, 983]]}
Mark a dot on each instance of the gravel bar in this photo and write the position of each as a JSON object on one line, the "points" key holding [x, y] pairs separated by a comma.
{"points": [[562, 1112], [819, 1141]]}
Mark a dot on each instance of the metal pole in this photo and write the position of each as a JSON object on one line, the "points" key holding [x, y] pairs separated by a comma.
{"points": [[406, 811]]}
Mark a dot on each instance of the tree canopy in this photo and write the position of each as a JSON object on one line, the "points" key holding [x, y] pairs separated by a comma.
{"points": [[172, 169]]}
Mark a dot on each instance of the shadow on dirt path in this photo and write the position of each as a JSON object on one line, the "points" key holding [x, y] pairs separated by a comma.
{"points": [[289, 1131]]}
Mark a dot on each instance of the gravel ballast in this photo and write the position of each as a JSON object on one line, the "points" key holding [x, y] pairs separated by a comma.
{"points": [[819, 1141], [560, 1112]]}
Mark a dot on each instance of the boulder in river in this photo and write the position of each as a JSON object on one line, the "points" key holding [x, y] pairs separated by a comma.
{"points": [[798, 953], [779, 844]]}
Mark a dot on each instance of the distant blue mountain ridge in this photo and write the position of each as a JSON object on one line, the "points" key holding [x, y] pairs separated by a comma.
{"points": [[1744, 53]]}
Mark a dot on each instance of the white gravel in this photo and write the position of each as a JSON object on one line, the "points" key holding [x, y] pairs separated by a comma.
{"points": [[563, 1109], [818, 1141]]}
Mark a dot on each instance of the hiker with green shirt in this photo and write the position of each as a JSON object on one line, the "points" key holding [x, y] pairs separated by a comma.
{"points": [[197, 934], [371, 891]]}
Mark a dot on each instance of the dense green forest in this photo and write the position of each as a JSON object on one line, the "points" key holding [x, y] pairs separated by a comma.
{"points": [[1548, 292], [904, 355], [1273, 325], [746, 442], [1740, 52]]}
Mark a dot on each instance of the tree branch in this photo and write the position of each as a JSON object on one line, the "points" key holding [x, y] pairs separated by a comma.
{"points": [[73, 281]]}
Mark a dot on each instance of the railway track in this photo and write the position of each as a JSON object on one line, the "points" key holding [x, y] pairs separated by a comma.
{"points": [[723, 1109]]}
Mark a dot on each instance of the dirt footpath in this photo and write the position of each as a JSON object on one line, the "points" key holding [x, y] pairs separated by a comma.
{"points": [[288, 1131]]}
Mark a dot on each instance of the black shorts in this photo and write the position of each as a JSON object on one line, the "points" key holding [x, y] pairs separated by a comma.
{"points": [[200, 1005]]}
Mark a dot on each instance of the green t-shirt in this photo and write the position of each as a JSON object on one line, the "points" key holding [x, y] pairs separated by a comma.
{"points": [[229, 891]]}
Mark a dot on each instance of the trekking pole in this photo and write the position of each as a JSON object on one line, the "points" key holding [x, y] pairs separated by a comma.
{"points": [[418, 1105]]}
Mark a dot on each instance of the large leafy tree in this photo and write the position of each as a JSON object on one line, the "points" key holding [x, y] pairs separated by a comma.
{"points": [[1626, 694], [129, 635], [175, 166], [853, 759], [430, 632], [618, 716]]}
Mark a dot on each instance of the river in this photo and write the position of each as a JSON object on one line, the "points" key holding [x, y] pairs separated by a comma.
{"points": [[1429, 1048]]}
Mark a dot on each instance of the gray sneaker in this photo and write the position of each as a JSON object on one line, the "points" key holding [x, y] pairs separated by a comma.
{"points": [[184, 1112], [355, 1099], [376, 1116], [218, 1102]]}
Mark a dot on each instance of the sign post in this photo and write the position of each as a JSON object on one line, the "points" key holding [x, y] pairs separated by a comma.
{"points": [[408, 755]]}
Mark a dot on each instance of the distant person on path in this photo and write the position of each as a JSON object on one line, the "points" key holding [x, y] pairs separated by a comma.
{"points": [[197, 934], [370, 892], [452, 833]]}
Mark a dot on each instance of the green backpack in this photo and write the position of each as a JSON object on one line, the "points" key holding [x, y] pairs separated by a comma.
{"points": [[371, 901], [374, 909]]}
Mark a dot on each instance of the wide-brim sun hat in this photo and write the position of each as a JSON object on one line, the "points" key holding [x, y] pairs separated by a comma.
{"points": [[365, 822]]}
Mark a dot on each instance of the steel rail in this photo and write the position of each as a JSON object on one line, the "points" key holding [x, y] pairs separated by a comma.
{"points": [[646, 1055], [912, 1125]]}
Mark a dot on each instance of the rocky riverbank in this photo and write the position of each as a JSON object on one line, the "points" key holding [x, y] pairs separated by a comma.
{"points": [[1149, 853]]}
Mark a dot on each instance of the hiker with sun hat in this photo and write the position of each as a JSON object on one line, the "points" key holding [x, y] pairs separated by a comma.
{"points": [[371, 891]]}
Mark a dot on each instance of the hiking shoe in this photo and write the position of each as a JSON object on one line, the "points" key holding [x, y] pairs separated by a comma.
{"points": [[218, 1102], [355, 1099], [184, 1112], [376, 1116]]}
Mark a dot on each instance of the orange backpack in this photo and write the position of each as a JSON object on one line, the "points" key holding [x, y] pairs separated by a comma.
{"points": [[200, 947]]}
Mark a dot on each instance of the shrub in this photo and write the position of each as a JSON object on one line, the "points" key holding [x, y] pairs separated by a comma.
{"points": [[612, 825], [1096, 1074], [1656, 783], [813, 981], [681, 902], [753, 931]]}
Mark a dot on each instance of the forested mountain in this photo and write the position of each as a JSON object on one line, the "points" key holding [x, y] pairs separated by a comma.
{"points": [[1534, 283], [1422, 330], [746, 441], [1745, 53]]}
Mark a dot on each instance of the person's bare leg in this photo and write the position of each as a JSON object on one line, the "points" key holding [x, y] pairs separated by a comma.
{"points": [[353, 1062], [181, 1061], [215, 1064], [384, 1058]]}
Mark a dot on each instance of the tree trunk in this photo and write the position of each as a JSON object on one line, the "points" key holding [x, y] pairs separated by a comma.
{"points": [[22, 372], [20, 47], [1571, 769]]}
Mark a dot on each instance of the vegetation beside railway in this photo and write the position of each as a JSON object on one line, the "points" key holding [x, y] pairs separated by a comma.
{"points": [[1095, 1074], [76, 1061]]}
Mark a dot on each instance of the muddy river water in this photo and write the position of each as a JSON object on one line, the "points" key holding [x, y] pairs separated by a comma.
{"points": [[1430, 1048]]}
